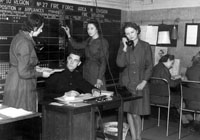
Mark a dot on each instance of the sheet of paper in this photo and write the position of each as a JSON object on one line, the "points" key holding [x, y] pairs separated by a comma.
{"points": [[192, 32], [57, 104], [176, 68], [149, 34], [14, 112]]}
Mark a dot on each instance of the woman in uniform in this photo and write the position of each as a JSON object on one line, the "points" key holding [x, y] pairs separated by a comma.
{"points": [[135, 56], [96, 52], [20, 86]]}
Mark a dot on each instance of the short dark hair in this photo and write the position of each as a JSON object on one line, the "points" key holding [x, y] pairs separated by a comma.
{"points": [[164, 58], [33, 20], [132, 25], [76, 52]]}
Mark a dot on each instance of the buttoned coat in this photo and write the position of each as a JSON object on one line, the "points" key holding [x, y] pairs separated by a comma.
{"points": [[137, 63], [20, 87]]}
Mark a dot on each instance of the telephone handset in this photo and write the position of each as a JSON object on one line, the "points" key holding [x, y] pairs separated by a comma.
{"points": [[129, 42]]}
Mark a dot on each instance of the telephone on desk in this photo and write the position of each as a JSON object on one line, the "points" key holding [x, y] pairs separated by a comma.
{"points": [[122, 90]]}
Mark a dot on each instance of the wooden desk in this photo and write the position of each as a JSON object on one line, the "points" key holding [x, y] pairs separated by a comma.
{"points": [[78, 122], [11, 128], [67, 122]]}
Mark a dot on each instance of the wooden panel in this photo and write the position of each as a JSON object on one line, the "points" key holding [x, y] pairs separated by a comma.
{"points": [[65, 125]]}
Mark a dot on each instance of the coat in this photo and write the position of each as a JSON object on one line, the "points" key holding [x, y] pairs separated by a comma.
{"points": [[193, 72], [137, 65], [161, 71], [20, 86]]}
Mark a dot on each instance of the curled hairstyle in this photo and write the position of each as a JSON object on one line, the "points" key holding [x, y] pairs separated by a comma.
{"points": [[33, 21], [164, 58], [131, 25], [196, 59], [95, 23]]}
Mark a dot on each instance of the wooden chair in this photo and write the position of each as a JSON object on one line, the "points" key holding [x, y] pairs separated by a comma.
{"points": [[160, 96], [190, 94]]}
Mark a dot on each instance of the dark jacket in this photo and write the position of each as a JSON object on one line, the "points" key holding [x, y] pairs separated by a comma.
{"points": [[161, 71], [61, 82], [193, 73]]}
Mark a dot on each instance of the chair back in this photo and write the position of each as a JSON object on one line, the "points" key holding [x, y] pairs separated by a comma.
{"points": [[159, 87], [190, 93], [159, 90], [1, 92]]}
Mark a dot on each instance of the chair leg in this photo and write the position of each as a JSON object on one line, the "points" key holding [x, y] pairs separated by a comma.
{"points": [[158, 116], [167, 131], [142, 123], [179, 133]]}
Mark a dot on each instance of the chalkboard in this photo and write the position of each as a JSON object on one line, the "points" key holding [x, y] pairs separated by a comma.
{"points": [[51, 43]]}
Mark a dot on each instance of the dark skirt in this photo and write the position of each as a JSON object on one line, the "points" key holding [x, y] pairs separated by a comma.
{"points": [[139, 106]]}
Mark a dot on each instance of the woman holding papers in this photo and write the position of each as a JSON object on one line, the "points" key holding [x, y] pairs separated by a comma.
{"points": [[20, 86]]}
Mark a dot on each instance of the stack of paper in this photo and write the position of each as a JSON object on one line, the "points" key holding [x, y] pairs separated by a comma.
{"points": [[14, 112]]}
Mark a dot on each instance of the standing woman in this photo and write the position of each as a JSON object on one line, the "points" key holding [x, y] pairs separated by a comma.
{"points": [[96, 52], [135, 56], [20, 86]]}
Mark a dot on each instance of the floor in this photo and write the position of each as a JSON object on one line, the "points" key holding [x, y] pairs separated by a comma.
{"points": [[152, 132]]}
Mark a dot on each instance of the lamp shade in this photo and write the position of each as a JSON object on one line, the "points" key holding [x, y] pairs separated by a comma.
{"points": [[163, 37]]}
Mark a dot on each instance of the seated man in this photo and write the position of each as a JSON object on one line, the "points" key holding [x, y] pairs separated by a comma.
{"points": [[193, 74], [161, 70], [68, 80]]}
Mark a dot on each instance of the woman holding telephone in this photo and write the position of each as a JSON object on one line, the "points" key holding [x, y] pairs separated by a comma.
{"points": [[135, 56]]}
